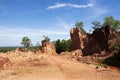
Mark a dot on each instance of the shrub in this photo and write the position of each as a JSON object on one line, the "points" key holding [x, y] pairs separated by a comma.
{"points": [[113, 61], [62, 45]]}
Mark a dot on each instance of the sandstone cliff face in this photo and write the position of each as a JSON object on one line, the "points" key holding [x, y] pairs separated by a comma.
{"points": [[101, 40], [78, 39], [48, 47], [97, 42]]}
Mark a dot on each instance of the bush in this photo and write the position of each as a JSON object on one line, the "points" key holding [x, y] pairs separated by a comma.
{"points": [[62, 45], [113, 61], [115, 46]]}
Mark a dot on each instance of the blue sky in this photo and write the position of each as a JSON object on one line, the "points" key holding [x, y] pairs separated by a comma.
{"points": [[53, 18]]}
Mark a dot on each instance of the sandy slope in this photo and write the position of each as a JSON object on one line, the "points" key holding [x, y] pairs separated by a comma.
{"points": [[28, 66]]}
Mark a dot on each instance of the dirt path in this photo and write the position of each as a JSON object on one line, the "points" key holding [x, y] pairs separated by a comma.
{"points": [[73, 70], [48, 67]]}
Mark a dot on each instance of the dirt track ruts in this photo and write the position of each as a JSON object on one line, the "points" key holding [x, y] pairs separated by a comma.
{"points": [[53, 67]]}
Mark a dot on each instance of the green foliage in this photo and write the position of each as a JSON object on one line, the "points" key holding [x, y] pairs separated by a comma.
{"points": [[100, 60], [38, 46], [80, 25], [113, 61], [101, 65], [115, 46], [6, 49], [26, 42], [62, 45], [34, 48], [109, 20], [105, 65], [46, 38], [96, 24]]}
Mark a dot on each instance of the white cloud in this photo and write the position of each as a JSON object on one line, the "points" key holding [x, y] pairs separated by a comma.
{"points": [[13, 36], [97, 10], [20, 32], [61, 5]]}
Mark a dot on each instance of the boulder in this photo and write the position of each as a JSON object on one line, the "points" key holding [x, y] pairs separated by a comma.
{"points": [[76, 54], [4, 62], [48, 47]]}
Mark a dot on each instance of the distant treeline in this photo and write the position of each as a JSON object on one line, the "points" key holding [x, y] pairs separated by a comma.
{"points": [[6, 49]]}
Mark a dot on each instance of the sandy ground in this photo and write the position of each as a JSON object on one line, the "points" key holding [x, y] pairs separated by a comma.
{"points": [[29, 66]]}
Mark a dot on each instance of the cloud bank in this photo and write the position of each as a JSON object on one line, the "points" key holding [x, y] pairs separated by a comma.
{"points": [[61, 5], [6, 32], [13, 36]]}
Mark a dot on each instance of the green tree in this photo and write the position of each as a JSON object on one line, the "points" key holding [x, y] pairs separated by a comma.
{"points": [[96, 24], [113, 60], [110, 20], [26, 42], [66, 44], [46, 38], [80, 25], [58, 46], [38, 46], [62, 45]]}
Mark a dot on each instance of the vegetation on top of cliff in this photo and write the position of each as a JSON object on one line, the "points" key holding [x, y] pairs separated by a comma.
{"points": [[46, 38], [80, 25], [108, 20]]}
